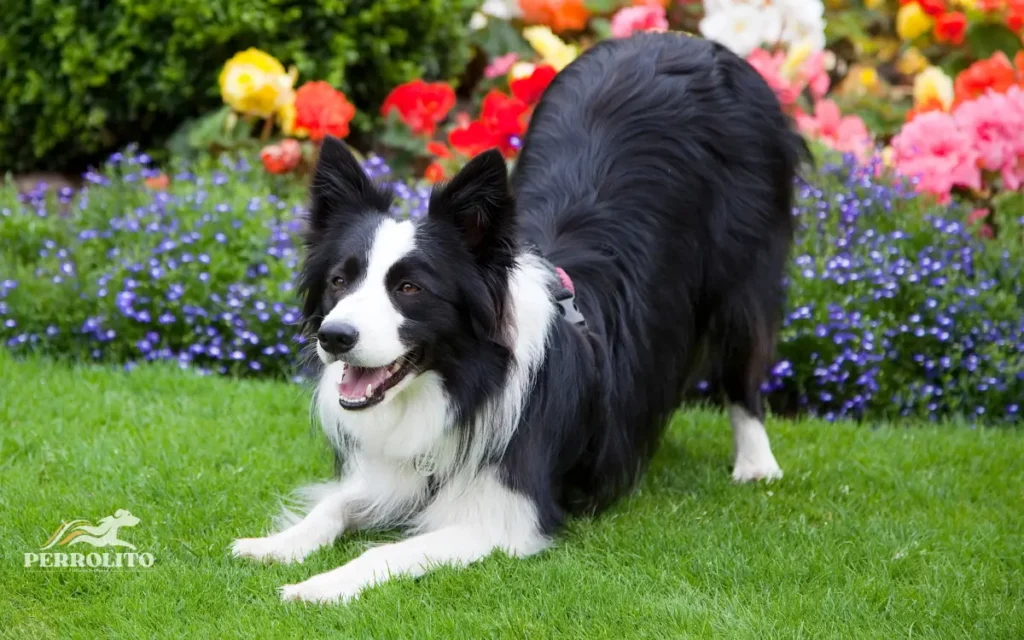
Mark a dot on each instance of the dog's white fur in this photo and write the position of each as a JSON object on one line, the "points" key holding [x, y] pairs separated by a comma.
{"points": [[384, 482], [754, 457], [369, 308]]}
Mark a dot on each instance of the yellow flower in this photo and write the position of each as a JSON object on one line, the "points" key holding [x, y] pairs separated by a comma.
{"points": [[796, 58], [887, 157], [521, 70], [255, 83], [912, 62], [868, 77], [551, 48], [874, 4], [933, 85], [912, 21], [286, 120], [965, 4]]}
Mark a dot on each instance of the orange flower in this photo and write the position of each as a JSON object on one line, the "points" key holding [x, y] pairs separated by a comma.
{"points": [[531, 88], [560, 15], [322, 110], [158, 183], [932, 104], [420, 105], [281, 158], [951, 27], [434, 173], [439, 150], [996, 73]]}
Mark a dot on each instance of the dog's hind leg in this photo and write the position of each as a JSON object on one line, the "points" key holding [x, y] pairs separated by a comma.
{"points": [[747, 332]]}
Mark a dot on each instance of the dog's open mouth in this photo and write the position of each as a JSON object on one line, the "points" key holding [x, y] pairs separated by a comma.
{"points": [[363, 387]]}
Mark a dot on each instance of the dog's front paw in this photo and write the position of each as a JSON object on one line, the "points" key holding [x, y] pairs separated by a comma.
{"points": [[271, 548], [327, 588], [757, 468]]}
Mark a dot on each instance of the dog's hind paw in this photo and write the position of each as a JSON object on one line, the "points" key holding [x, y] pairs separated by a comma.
{"points": [[747, 470]]}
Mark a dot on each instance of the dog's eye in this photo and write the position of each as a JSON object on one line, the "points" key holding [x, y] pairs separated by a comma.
{"points": [[408, 288], [337, 282]]}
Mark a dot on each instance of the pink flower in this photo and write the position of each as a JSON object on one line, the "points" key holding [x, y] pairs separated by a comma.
{"points": [[501, 65], [629, 20], [846, 134], [994, 123], [977, 217], [933, 149], [770, 67], [817, 77]]}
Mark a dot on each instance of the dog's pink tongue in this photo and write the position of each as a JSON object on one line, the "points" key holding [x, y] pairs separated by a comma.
{"points": [[356, 379]]}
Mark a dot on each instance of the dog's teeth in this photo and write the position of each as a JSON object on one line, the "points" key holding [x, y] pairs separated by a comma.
{"points": [[369, 390]]}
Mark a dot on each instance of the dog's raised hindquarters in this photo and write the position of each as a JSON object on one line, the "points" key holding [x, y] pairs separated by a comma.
{"points": [[462, 404]]}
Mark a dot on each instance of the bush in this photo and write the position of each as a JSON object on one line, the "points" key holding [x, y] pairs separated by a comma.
{"points": [[83, 78], [895, 308]]}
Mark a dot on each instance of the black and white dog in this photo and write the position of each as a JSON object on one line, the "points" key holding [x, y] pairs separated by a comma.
{"points": [[466, 401]]}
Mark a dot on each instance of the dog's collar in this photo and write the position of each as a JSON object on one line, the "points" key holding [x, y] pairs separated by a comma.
{"points": [[565, 298]]}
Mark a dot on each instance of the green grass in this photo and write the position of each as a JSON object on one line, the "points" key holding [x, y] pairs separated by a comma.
{"points": [[874, 532]]}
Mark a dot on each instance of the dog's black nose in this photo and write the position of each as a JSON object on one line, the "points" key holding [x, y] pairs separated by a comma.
{"points": [[337, 338]]}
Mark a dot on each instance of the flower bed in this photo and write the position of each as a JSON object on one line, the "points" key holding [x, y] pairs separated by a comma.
{"points": [[896, 308]]}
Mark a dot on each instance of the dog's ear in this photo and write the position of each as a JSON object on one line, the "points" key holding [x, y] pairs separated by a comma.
{"points": [[479, 203], [341, 188]]}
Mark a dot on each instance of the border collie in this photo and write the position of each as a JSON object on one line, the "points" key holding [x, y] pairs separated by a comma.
{"points": [[468, 401]]}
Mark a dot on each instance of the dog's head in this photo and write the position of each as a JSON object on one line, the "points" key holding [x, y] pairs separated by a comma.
{"points": [[387, 300]]}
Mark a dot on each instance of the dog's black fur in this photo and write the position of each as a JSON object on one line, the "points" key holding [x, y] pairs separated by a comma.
{"points": [[658, 173]]}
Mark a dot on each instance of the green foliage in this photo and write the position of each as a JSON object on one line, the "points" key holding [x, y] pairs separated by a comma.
{"points": [[80, 79]]}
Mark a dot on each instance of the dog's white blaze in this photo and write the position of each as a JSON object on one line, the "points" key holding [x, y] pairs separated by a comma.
{"points": [[369, 308], [754, 458], [469, 519]]}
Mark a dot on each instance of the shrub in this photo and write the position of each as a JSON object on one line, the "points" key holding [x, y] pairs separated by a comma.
{"points": [[895, 308], [83, 78]]}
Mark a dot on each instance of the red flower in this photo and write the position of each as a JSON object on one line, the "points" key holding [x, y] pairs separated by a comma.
{"points": [[996, 73], [989, 6], [505, 117], [322, 110], [439, 149], [420, 105], [281, 158], [434, 173], [1015, 19], [951, 27], [530, 89], [472, 138], [158, 183], [933, 7]]}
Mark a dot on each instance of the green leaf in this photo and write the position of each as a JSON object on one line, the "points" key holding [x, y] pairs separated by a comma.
{"points": [[985, 38], [500, 37], [601, 27], [601, 6]]}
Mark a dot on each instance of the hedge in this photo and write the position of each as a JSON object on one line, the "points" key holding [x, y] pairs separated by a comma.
{"points": [[896, 309], [84, 78]]}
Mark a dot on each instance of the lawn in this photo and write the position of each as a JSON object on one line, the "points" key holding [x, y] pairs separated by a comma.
{"points": [[875, 532]]}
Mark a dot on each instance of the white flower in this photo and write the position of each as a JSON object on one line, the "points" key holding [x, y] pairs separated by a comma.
{"points": [[477, 21], [803, 21], [742, 27], [501, 9]]}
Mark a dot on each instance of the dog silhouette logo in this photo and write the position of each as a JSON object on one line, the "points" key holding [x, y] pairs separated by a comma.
{"points": [[102, 534]]}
